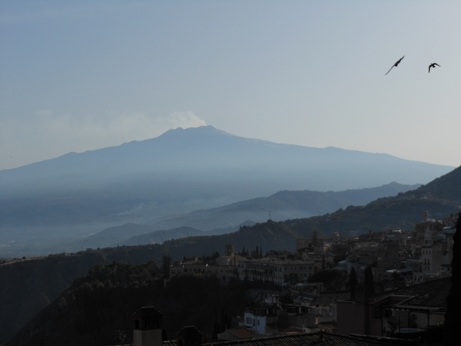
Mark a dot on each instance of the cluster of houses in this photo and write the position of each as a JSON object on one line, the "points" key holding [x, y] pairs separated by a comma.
{"points": [[411, 271]]}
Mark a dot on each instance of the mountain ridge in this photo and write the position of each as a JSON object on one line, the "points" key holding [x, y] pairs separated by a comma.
{"points": [[193, 137]]}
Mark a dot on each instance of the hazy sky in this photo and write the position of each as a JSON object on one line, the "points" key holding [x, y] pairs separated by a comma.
{"points": [[82, 75]]}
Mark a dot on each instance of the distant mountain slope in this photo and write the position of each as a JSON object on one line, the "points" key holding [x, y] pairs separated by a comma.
{"points": [[136, 234], [180, 171], [280, 206], [437, 199]]}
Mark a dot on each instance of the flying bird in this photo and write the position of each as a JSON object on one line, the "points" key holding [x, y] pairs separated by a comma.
{"points": [[396, 64], [434, 64]]}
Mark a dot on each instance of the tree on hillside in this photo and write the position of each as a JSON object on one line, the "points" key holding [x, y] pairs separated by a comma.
{"points": [[369, 283], [315, 238], [166, 263], [353, 281], [257, 252], [369, 292], [452, 315]]}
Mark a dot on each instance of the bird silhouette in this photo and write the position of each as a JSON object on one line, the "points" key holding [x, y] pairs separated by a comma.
{"points": [[396, 64], [434, 64]]}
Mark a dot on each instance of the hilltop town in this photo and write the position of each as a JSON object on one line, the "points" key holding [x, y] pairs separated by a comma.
{"points": [[317, 280]]}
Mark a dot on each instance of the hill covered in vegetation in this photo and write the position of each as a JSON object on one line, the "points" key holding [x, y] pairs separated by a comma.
{"points": [[98, 309]]}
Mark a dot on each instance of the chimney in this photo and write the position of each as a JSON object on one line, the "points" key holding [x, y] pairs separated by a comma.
{"points": [[147, 327], [189, 336]]}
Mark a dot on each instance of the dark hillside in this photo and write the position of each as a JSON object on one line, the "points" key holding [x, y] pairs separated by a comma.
{"points": [[29, 285], [446, 187], [268, 236], [438, 199], [377, 216], [97, 309]]}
